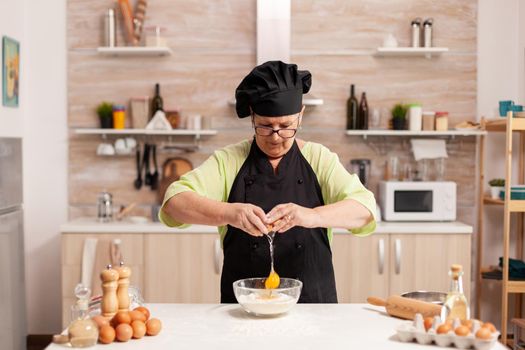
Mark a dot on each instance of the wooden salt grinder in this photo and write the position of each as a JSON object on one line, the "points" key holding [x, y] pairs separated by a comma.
{"points": [[123, 283], [109, 304]]}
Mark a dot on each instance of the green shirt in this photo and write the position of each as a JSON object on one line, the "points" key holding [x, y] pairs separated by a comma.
{"points": [[214, 179]]}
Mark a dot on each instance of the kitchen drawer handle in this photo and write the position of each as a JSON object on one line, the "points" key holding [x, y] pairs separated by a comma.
{"points": [[381, 253], [217, 257], [397, 246]]}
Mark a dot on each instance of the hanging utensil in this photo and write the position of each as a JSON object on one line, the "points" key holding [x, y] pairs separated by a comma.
{"points": [[138, 180], [147, 174], [155, 175]]}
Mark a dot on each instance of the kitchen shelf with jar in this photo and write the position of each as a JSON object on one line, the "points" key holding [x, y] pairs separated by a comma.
{"points": [[135, 51], [410, 51], [509, 125], [426, 133]]}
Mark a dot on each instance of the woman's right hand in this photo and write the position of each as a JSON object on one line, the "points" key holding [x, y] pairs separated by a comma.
{"points": [[247, 217]]}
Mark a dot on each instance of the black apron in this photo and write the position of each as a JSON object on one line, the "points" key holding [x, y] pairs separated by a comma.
{"points": [[300, 253]]}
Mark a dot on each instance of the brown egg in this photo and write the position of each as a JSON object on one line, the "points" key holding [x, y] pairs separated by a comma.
{"points": [[444, 328], [124, 332], [100, 321], [106, 334], [483, 333], [153, 326], [144, 310], [467, 323], [136, 315], [121, 317], [428, 323], [462, 331], [490, 326], [139, 329]]}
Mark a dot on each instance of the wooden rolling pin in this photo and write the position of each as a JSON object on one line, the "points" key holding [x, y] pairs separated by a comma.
{"points": [[406, 308]]}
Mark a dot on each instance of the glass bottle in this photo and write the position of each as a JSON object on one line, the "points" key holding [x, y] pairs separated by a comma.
{"points": [[83, 331], [351, 110], [363, 113], [456, 304], [157, 102]]}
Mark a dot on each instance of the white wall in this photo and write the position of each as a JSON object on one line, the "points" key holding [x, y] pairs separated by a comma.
{"points": [[45, 160], [501, 67], [12, 25]]}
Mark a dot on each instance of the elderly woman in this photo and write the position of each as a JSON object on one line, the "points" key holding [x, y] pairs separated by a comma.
{"points": [[298, 187]]}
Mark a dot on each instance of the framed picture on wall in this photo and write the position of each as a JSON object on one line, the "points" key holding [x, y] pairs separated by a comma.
{"points": [[10, 71]]}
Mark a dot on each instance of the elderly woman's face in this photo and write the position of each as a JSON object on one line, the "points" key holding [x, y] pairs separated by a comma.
{"points": [[276, 144]]}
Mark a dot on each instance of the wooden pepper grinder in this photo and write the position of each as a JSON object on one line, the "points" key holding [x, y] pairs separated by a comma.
{"points": [[123, 283], [109, 305]]}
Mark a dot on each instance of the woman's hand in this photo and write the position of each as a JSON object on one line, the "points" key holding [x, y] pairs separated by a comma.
{"points": [[247, 217], [285, 216]]}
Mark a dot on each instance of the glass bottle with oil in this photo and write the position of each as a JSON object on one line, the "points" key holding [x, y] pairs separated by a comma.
{"points": [[456, 304]]}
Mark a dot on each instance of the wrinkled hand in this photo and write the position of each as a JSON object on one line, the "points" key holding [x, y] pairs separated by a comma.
{"points": [[247, 217], [285, 216]]}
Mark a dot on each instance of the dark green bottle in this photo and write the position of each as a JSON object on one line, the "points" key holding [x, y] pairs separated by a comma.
{"points": [[351, 110], [156, 103]]}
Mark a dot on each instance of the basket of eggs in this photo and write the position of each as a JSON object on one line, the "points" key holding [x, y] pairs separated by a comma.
{"points": [[463, 334], [126, 325]]}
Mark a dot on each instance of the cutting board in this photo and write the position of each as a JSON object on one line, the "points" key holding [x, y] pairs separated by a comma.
{"points": [[172, 170]]}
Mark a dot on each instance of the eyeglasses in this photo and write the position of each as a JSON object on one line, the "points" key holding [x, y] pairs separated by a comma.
{"points": [[267, 131]]}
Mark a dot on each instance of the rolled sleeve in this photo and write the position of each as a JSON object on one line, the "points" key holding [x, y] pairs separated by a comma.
{"points": [[337, 184], [207, 180]]}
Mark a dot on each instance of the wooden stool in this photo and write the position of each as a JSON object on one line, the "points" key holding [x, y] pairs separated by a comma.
{"points": [[519, 333]]}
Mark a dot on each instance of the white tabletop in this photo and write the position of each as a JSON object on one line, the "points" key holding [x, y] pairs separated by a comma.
{"points": [[306, 326], [90, 225]]}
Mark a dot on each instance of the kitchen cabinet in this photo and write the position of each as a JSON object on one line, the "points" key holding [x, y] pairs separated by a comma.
{"points": [[182, 268], [361, 266], [381, 265]]}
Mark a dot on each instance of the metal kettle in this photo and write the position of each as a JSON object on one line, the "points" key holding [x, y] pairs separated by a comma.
{"points": [[361, 167], [105, 207]]}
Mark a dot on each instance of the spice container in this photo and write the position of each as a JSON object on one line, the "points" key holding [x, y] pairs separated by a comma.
{"points": [[119, 116], [428, 120], [441, 121], [416, 29], [414, 117], [154, 36], [174, 118], [427, 32], [140, 112], [110, 28]]}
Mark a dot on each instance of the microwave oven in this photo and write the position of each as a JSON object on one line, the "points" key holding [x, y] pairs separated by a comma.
{"points": [[418, 200]]}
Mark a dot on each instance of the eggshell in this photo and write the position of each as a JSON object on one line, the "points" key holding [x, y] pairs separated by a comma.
{"points": [[428, 323], [144, 310], [100, 320], [106, 334], [483, 333], [490, 326], [462, 331], [467, 323], [153, 326], [121, 317], [136, 315], [444, 328], [124, 332], [139, 329]]}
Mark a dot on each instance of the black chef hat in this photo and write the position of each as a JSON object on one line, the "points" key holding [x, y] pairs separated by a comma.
{"points": [[272, 89]]}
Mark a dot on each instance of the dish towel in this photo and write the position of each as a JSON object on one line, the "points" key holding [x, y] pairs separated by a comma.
{"points": [[428, 149]]}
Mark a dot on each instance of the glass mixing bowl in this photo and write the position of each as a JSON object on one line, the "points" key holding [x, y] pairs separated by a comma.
{"points": [[257, 300]]}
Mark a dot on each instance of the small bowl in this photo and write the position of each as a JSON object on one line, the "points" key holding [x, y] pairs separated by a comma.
{"points": [[257, 300]]}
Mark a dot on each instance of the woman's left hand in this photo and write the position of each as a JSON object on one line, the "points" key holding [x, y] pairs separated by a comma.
{"points": [[286, 216]]}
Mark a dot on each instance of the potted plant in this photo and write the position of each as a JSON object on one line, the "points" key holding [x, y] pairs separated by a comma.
{"points": [[496, 186], [105, 114], [399, 116]]}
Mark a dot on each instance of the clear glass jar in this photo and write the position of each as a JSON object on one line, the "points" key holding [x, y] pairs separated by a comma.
{"points": [[83, 331], [154, 37], [441, 121]]}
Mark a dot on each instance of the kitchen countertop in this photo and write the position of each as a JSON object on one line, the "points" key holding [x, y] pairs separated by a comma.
{"points": [[90, 225], [306, 326]]}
